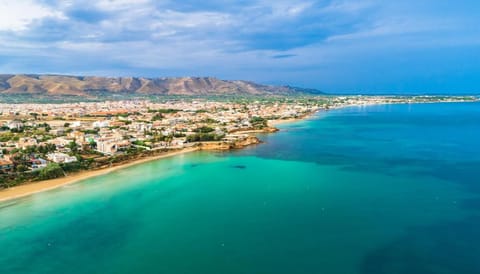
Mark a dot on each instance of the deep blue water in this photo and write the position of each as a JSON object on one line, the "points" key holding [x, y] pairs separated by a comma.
{"points": [[378, 189]]}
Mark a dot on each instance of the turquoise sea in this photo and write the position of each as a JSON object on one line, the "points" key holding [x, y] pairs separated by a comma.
{"points": [[377, 189]]}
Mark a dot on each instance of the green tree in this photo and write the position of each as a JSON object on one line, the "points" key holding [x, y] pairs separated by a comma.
{"points": [[52, 171], [204, 129], [21, 168], [34, 115], [258, 122], [157, 117], [73, 146]]}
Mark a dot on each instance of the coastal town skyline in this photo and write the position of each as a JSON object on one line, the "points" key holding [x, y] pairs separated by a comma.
{"points": [[427, 47]]}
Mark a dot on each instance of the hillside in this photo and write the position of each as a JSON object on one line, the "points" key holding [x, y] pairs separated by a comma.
{"points": [[85, 86]]}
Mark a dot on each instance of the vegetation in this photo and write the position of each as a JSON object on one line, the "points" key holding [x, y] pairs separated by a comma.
{"points": [[52, 171], [204, 129], [164, 111], [258, 122], [203, 137], [157, 117]]}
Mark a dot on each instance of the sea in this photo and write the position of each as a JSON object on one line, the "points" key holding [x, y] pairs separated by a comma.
{"points": [[361, 190]]}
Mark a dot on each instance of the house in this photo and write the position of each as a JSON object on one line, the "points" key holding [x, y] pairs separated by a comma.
{"points": [[177, 142], [140, 127], [58, 157], [15, 124], [38, 163], [75, 124], [25, 142], [101, 124], [6, 165], [58, 131], [110, 146], [78, 136], [59, 142]]}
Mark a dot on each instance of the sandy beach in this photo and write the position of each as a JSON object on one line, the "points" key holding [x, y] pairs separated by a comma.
{"points": [[40, 186], [274, 123], [35, 187]]}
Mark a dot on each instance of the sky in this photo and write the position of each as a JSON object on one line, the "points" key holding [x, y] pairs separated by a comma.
{"points": [[337, 46]]}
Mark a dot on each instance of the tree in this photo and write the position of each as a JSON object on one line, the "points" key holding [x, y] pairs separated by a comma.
{"points": [[157, 117], [53, 170], [21, 168], [34, 115], [204, 129], [73, 146], [199, 137], [258, 122]]}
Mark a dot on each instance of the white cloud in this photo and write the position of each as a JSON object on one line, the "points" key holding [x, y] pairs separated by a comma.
{"points": [[172, 20], [17, 15], [115, 5]]}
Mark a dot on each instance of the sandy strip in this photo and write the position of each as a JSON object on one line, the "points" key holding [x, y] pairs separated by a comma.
{"points": [[35, 187], [273, 123]]}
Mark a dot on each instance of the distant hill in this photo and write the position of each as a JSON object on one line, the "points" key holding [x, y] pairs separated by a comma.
{"points": [[88, 85]]}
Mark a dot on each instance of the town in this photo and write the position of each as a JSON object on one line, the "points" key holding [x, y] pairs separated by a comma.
{"points": [[45, 141]]}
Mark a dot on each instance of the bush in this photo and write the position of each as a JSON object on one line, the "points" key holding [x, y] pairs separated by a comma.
{"points": [[52, 171], [204, 129], [201, 137], [258, 122]]}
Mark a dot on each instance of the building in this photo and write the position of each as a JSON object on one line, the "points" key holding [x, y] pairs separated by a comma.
{"points": [[61, 158], [101, 124], [15, 124], [110, 146], [38, 163], [25, 142], [78, 136], [75, 124], [6, 165]]}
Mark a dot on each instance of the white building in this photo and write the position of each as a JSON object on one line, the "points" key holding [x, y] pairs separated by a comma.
{"points": [[15, 124], [61, 158], [101, 124], [111, 147], [76, 124]]}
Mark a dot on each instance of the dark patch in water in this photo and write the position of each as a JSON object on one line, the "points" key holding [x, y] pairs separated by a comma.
{"points": [[240, 166], [448, 247], [471, 204]]}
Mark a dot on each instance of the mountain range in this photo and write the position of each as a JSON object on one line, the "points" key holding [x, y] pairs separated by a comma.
{"points": [[88, 85]]}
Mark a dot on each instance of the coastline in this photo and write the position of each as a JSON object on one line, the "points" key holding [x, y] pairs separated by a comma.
{"points": [[273, 123], [41, 186], [46, 185]]}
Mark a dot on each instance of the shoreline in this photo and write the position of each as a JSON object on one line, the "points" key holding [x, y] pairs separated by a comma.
{"points": [[31, 188], [277, 122], [41, 186]]}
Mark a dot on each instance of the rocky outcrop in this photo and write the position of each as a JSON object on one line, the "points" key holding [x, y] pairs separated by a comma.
{"points": [[250, 140], [223, 145]]}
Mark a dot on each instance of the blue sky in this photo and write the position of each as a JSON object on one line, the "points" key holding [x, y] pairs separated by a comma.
{"points": [[377, 46]]}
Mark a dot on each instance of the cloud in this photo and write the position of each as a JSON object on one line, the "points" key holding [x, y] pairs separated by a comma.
{"points": [[262, 40], [18, 15]]}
